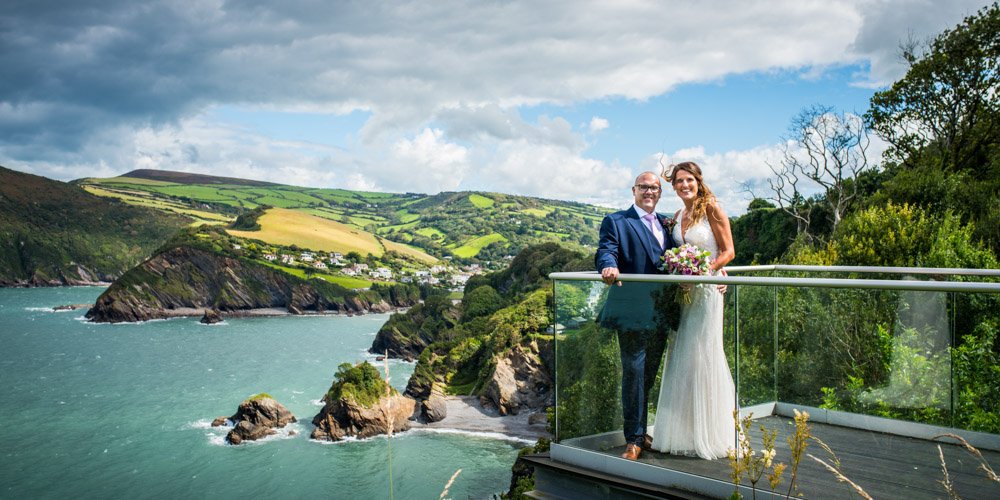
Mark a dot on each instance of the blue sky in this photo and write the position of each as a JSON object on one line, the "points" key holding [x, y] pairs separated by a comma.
{"points": [[559, 99]]}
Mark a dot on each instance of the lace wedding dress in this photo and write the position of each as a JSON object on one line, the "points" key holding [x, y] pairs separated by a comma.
{"points": [[694, 415]]}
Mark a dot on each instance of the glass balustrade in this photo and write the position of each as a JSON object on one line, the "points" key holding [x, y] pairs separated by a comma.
{"points": [[891, 346]]}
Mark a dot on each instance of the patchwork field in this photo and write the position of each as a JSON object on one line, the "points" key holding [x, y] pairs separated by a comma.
{"points": [[343, 220], [472, 247], [480, 201], [282, 226]]}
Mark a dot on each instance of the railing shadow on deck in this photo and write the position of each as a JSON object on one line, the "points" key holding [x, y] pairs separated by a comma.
{"points": [[885, 352]]}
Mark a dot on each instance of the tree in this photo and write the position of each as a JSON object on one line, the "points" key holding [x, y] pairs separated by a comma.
{"points": [[827, 151], [948, 98]]}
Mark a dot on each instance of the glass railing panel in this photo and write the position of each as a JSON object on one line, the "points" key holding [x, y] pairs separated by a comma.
{"points": [[598, 328], [588, 368], [872, 352], [929, 355], [975, 320], [749, 330]]}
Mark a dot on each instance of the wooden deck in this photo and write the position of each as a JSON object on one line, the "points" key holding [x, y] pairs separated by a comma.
{"points": [[884, 465]]}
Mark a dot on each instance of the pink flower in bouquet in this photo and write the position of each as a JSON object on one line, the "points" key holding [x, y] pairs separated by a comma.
{"points": [[687, 260]]}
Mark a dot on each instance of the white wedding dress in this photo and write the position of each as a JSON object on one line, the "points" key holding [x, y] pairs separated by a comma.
{"points": [[694, 415]]}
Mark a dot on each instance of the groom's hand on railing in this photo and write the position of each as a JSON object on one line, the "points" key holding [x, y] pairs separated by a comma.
{"points": [[610, 276]]}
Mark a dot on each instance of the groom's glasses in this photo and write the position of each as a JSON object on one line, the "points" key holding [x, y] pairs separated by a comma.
{"points": [[652, 188]]}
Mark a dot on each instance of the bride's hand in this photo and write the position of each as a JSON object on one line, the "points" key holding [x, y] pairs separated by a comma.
{"points": [[722, 288]]}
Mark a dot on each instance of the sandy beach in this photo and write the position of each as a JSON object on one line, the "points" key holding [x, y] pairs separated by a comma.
{"points": [[466, 414]]}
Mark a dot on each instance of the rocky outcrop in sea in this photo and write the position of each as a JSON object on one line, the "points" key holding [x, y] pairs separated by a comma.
{"points": [[257, 417], [185, 281], [346, 418]]}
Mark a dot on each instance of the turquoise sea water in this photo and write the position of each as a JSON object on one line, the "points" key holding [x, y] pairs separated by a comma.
{"points": [[123, 411]]}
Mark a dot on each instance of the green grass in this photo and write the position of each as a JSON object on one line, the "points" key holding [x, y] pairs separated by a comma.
{"points": [[364, 221], [429, 232], [480, 201], [130, 180], [275, 201], [344, 281], [472, 247], [406, 217], [262, 395], [537, 212], [408, 225]]}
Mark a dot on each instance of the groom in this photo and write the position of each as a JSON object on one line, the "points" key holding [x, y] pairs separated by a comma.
{"points": [[632, 241]]}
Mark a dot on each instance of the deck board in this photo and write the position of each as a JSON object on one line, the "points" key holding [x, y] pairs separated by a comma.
{"points": [[884, 465]]}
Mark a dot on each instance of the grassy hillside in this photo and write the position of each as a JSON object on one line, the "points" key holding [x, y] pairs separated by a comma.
{"points": [[281, 226], [466, 227], [52, 232]]}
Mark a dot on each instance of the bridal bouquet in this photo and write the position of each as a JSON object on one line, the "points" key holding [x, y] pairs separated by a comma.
{"points": [[688, 260]]}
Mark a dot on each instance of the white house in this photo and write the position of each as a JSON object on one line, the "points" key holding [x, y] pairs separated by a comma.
{"points": [[270, 257]]}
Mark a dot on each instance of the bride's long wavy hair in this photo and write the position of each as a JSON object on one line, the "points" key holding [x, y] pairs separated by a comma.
{"points": [[705, 196]]}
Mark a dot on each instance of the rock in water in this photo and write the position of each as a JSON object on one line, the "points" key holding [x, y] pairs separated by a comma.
{"points": [[519, 380], [344, 417], [435, 407], [211, 317], [257, 417]]}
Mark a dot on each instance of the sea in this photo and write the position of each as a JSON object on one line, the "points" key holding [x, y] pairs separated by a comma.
{"points": [[124, 411]]}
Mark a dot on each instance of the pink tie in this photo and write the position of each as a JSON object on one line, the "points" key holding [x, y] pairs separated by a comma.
{"points": [[649, 218]]}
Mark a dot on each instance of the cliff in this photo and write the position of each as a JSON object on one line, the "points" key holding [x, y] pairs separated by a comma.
{"points": [[498, 348], [53, 233], [185, 281], [406, 335]]}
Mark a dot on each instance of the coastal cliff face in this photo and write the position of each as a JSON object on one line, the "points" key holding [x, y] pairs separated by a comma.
{"points": [[184, 281], [54, 234], [406, 335], [519, 380]]}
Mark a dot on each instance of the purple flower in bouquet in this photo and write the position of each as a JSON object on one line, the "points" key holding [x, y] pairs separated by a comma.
{"points": [[687, 260]]}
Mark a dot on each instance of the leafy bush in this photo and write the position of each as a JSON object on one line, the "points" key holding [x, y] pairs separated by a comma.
{"points": [[360, 383]]}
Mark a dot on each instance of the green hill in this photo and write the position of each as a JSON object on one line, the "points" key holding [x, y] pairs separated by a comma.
{"points": [[54, 233], [465, 227]]}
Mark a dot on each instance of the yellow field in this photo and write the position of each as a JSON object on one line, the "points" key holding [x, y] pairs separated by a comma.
{"points": [[416, 253], [282, 226]]}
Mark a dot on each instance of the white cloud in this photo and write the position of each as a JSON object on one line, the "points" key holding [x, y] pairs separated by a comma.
{"points": [[888, 24], [99, 91], [426, 163], [598, 124]]}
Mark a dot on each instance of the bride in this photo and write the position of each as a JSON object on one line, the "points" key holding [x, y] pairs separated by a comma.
{"points": [[694, 415]]}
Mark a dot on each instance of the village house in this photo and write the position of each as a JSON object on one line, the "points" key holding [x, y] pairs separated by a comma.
{"points": [[270, 257], [287, 259], [382, 273], [319, 265], [307, 256]]}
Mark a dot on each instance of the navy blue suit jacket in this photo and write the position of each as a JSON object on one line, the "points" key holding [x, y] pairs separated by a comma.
{"points": [[626, 243]]}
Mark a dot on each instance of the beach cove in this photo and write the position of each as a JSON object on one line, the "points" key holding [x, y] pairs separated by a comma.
{"points": [[124, 411]]}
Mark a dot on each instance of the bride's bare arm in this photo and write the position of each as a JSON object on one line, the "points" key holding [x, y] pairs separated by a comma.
{"points": [[723, 236]]}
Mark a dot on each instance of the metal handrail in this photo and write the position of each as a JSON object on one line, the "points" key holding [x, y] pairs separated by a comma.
{"points": [[947, 271], [929, 286]]}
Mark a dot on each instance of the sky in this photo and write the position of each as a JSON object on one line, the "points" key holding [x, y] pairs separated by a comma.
{"points": [[566, 100]]}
